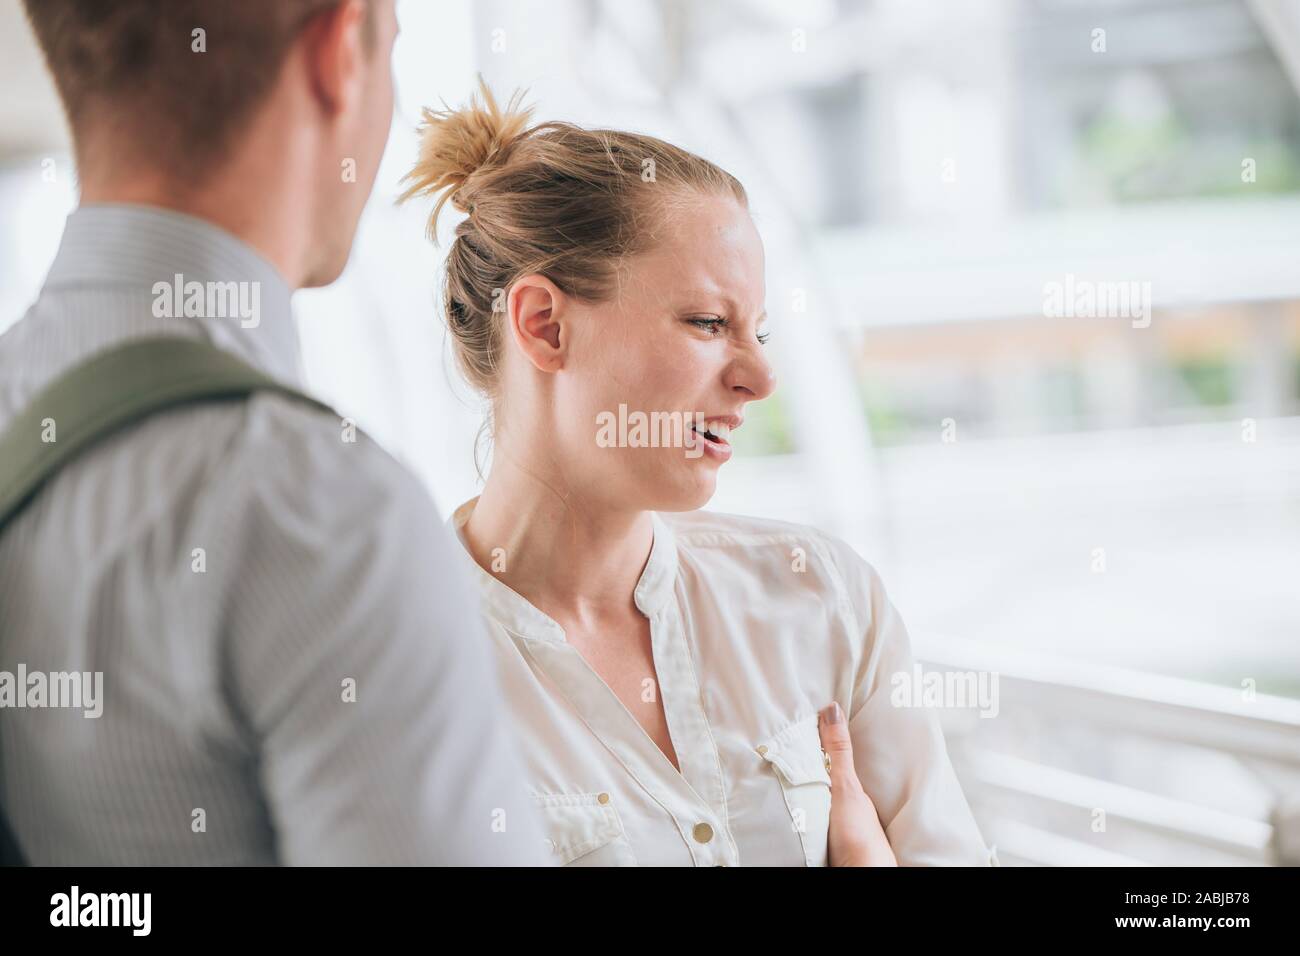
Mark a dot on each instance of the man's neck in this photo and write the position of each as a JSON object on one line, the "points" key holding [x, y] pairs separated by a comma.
{"points": [[272, 221]]}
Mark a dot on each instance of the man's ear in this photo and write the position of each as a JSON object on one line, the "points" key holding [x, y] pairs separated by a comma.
{"points": [[535, 311], [335, 50]]}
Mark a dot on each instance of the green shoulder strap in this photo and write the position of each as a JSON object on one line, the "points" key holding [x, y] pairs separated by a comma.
{"points": [[101, 396], [110, 391]]}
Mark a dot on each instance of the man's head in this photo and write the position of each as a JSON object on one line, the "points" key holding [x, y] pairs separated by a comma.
{"points": [[180, 95]]}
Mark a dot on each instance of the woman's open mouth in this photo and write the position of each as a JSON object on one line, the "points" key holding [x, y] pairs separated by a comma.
{"points": [[717, 437]]}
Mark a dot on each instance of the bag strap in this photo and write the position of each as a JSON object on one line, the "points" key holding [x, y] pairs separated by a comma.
{"points": [[110, 391], [101, 396]]}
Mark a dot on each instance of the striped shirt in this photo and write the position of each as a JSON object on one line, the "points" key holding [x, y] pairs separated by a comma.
{"points": [[293, 669]]}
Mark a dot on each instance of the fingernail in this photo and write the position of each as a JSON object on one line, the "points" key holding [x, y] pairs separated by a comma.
{"points": [[833, 713]]}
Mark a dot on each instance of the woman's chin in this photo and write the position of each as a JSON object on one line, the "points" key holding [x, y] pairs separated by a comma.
{"points": [[669, 484], [691, 494]]}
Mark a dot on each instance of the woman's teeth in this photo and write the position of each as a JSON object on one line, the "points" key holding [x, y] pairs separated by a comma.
{"points": [[717, 431]]}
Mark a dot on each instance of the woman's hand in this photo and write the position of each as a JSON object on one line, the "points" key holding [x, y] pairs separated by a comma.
{"points": [[856, 837]]}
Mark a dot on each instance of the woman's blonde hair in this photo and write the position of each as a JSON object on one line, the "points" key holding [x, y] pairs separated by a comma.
{"points": [[555, 199]]}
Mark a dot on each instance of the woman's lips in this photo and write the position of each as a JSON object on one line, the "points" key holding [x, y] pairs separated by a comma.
{"points": [[715, 437], [720, 450]]}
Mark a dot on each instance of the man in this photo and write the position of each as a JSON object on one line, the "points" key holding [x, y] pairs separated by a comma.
{"points": [[292, 669]]}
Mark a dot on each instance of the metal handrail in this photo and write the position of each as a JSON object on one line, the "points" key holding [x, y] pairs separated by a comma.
{"points": [[1253, 728]]}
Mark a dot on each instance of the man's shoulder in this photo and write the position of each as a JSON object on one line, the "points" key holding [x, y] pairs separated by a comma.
{"points": [[305, 455], [268, 443]]}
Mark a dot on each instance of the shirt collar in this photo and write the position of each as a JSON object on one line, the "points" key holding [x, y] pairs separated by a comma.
{"points": [[121, 244], [513, 612], [656, 584]]}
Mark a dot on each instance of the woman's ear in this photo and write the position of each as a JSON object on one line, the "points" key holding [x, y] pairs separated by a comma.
{"points": [[535, 309]]}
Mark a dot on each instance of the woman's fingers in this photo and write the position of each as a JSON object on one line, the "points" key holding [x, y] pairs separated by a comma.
{"points": [[838, 746], [855, 837]]}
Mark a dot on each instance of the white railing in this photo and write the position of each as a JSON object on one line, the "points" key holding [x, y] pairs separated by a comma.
{"points": [[1089, 765]]}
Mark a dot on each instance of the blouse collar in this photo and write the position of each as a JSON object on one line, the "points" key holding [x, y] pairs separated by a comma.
{"points": [[513, 611]]}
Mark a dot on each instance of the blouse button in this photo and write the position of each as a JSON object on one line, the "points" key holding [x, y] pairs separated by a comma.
{"points": [[602, 798], [703, 833], [762, 749]]}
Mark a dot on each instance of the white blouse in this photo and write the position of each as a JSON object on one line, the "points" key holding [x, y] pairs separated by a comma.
{"points": [[755, 626]]}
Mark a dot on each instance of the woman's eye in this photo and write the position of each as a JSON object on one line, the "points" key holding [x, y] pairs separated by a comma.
{"points": [[763, 337], [711, 324]]}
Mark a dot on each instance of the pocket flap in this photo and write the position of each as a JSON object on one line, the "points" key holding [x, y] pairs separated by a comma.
{"points": [[796, 753], [576, 824]]}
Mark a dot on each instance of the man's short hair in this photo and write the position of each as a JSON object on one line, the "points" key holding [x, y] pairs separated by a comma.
{"points": [[135, 64]]}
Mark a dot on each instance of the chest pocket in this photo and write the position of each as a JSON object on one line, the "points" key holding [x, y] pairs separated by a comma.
{"points": [[583, 829], [795, 756]]}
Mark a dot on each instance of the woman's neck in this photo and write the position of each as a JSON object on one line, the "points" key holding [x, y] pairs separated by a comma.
{"points": [[570, 557]]}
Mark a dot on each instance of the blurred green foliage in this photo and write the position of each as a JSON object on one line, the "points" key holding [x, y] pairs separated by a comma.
{"points": [[767, 429]]}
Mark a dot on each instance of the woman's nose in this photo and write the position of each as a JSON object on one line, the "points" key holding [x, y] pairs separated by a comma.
{"points": [[752, 374]]}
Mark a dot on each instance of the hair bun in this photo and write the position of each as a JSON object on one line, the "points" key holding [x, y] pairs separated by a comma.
{"points": [[455, 144]]}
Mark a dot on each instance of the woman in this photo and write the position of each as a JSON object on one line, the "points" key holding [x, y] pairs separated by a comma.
{"points": [[666, 666]]}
